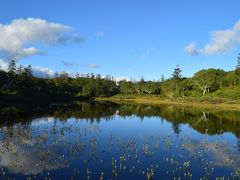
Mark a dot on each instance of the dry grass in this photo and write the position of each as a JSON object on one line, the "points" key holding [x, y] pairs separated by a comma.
{"points": [[156, 101]]}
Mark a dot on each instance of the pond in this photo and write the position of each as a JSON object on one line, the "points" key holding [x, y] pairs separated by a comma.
{"points": [[118, 141]]}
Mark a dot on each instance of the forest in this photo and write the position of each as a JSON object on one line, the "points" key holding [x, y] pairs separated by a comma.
{"points": [[216, 85]]}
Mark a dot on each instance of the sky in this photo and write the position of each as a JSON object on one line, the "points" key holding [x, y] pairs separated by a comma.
{"points": [[121, 38]]}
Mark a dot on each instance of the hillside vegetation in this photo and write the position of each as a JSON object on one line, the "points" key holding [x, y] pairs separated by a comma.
{"points": [[208, 85]]}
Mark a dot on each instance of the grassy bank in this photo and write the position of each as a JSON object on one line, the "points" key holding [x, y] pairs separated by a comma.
{"points": [[187, 102]]}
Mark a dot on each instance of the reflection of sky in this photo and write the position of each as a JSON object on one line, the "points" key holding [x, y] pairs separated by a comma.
{"points": [[219, 149], [26, 161], [40, 121], [21, 150], [133, 126]]}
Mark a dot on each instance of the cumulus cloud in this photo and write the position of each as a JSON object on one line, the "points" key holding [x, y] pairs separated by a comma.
{"points": [[192, 49], [221, 41], [20, 38], [17, 35], [93, 66], [3, 65], [42, 72]]}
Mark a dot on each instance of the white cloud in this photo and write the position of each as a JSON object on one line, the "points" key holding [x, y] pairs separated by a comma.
{"points": [[221, 41], [42, 72], [27, 52], [93, 66], [191, 49], [18, 38], [3, 65], [117, 79]]}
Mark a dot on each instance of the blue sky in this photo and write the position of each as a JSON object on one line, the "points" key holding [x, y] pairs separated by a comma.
{"points": [[131, 38]]}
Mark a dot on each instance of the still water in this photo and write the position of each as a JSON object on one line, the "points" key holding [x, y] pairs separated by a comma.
{"points": [[118, 141]]}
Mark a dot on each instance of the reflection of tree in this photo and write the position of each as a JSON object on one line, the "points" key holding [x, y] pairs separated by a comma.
{"points": [[216, 121], [199, 119], [10, 130], [238, 144], [84, 110], [202, 118], [19, 144], [176, 127]]}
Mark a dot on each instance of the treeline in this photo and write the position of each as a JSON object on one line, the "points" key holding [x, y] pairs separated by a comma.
{"points": [[211, 83], [207, 83], [203, 82], [18, 83]]}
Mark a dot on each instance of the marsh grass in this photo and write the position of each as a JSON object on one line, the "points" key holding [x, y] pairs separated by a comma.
{"points": [[208, 102]]}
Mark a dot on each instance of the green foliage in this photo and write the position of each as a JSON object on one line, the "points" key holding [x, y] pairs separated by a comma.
{"points": [[228, 93], [209, 80], [12, 67], [19, 83], [211, 84], [238, 61], [139, 88], [231, 79], [177, 73]]}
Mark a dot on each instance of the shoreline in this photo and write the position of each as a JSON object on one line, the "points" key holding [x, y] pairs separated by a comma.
{"points": [[177, 102]]}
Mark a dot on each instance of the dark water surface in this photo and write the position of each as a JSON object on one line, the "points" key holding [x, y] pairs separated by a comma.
{"points": [[113, 141]]}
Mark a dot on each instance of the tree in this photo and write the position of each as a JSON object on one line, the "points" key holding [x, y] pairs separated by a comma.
{"points": [[56, 75], [12, 67], [209, 80], [142, 80], [11, 83], [238, 61], [92, 76], [150, 87], [126, 87], [231, 79], [98, 76], [162, 78], [185, 86], [177, 73], [3, 79], [64, 75], [237, 70], [28, 71], [20, 70]]}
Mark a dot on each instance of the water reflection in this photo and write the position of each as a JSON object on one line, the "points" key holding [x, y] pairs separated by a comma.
{"points": [[107, 140]]}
